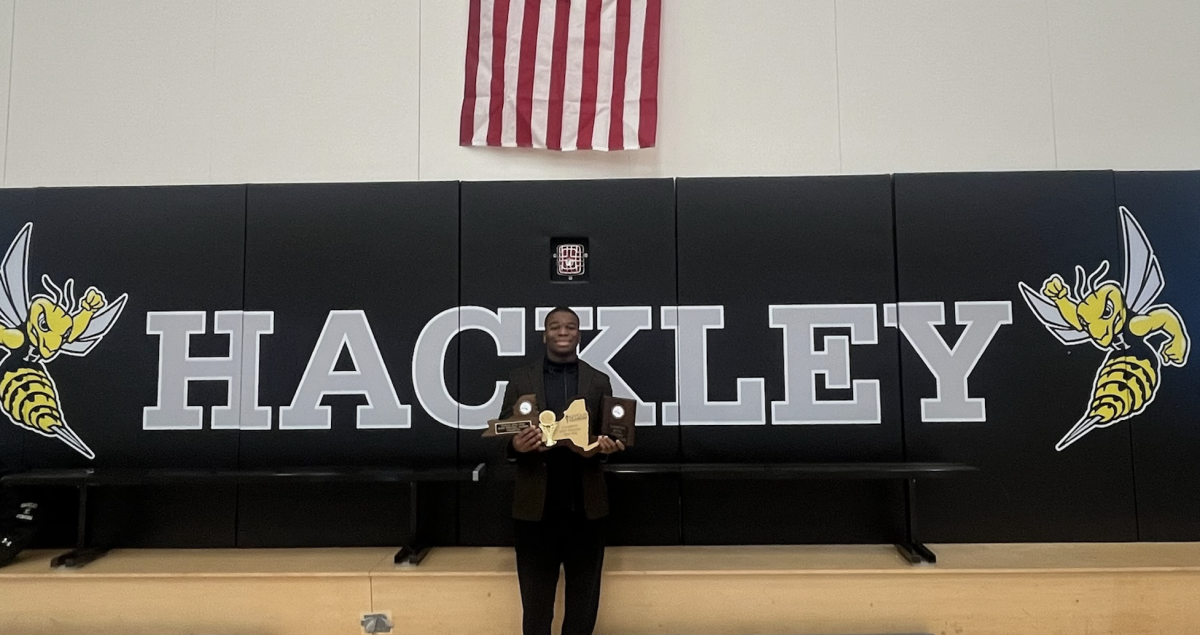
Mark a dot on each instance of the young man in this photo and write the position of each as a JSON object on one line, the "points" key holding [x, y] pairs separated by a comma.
{"points": [[560, 500]]}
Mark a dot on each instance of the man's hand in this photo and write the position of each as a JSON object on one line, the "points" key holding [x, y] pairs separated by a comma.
{"points": [[529, 440], [608, 446]]}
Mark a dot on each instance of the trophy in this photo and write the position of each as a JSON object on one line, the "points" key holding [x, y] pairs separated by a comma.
{"points": [[617, 419], [525, 413], [574, 427], [548, 424]]}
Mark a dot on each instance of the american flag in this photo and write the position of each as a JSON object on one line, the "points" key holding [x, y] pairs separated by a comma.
{"points": [[561, 74]]}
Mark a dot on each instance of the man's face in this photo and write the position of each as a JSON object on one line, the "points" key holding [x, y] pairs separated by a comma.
{"points": [[562, 333]]}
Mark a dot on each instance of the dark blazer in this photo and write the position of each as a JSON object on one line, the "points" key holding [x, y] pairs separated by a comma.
{"points": [[529, 497]]}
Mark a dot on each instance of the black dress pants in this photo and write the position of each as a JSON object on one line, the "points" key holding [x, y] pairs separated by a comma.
{"points": [[577, 545]]}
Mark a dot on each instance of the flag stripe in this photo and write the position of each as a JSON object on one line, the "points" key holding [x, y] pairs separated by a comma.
{"points": [[574, 88], [648, 126], [541, 74], [529, 45], [633, 76], [558, 76], [466, 126], [499, 43], [604, 74], [616, 123], [483, 82], [591, 61], [512, 57]]}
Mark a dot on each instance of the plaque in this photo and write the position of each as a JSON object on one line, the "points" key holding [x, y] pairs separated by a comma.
{"points": [[617, 418], [524, 414]]}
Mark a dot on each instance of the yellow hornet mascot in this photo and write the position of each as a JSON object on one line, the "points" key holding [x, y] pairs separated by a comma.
{"points": [[35, 331]]}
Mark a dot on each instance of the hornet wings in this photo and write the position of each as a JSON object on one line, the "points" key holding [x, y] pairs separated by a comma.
{"points": [[1143, 282], [14, 298]]}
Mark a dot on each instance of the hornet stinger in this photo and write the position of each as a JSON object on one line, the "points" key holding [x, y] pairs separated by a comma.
{"points": [[35, 331], [1119, 319]]}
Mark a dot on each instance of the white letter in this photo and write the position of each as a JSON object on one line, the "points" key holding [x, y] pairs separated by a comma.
{"points": [[950, 367], [370, 377], [692, 406], [618, 325], [507, 328], [176, 367], [802, 362]]}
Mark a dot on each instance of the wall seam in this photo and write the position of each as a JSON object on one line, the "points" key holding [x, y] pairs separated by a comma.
{"points": [[12, 38], [837, 76], [212, 93], [1050, 73], [420, 64]]}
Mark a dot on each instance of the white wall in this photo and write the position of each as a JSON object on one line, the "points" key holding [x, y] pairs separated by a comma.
{"points": [[233, 91]]}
